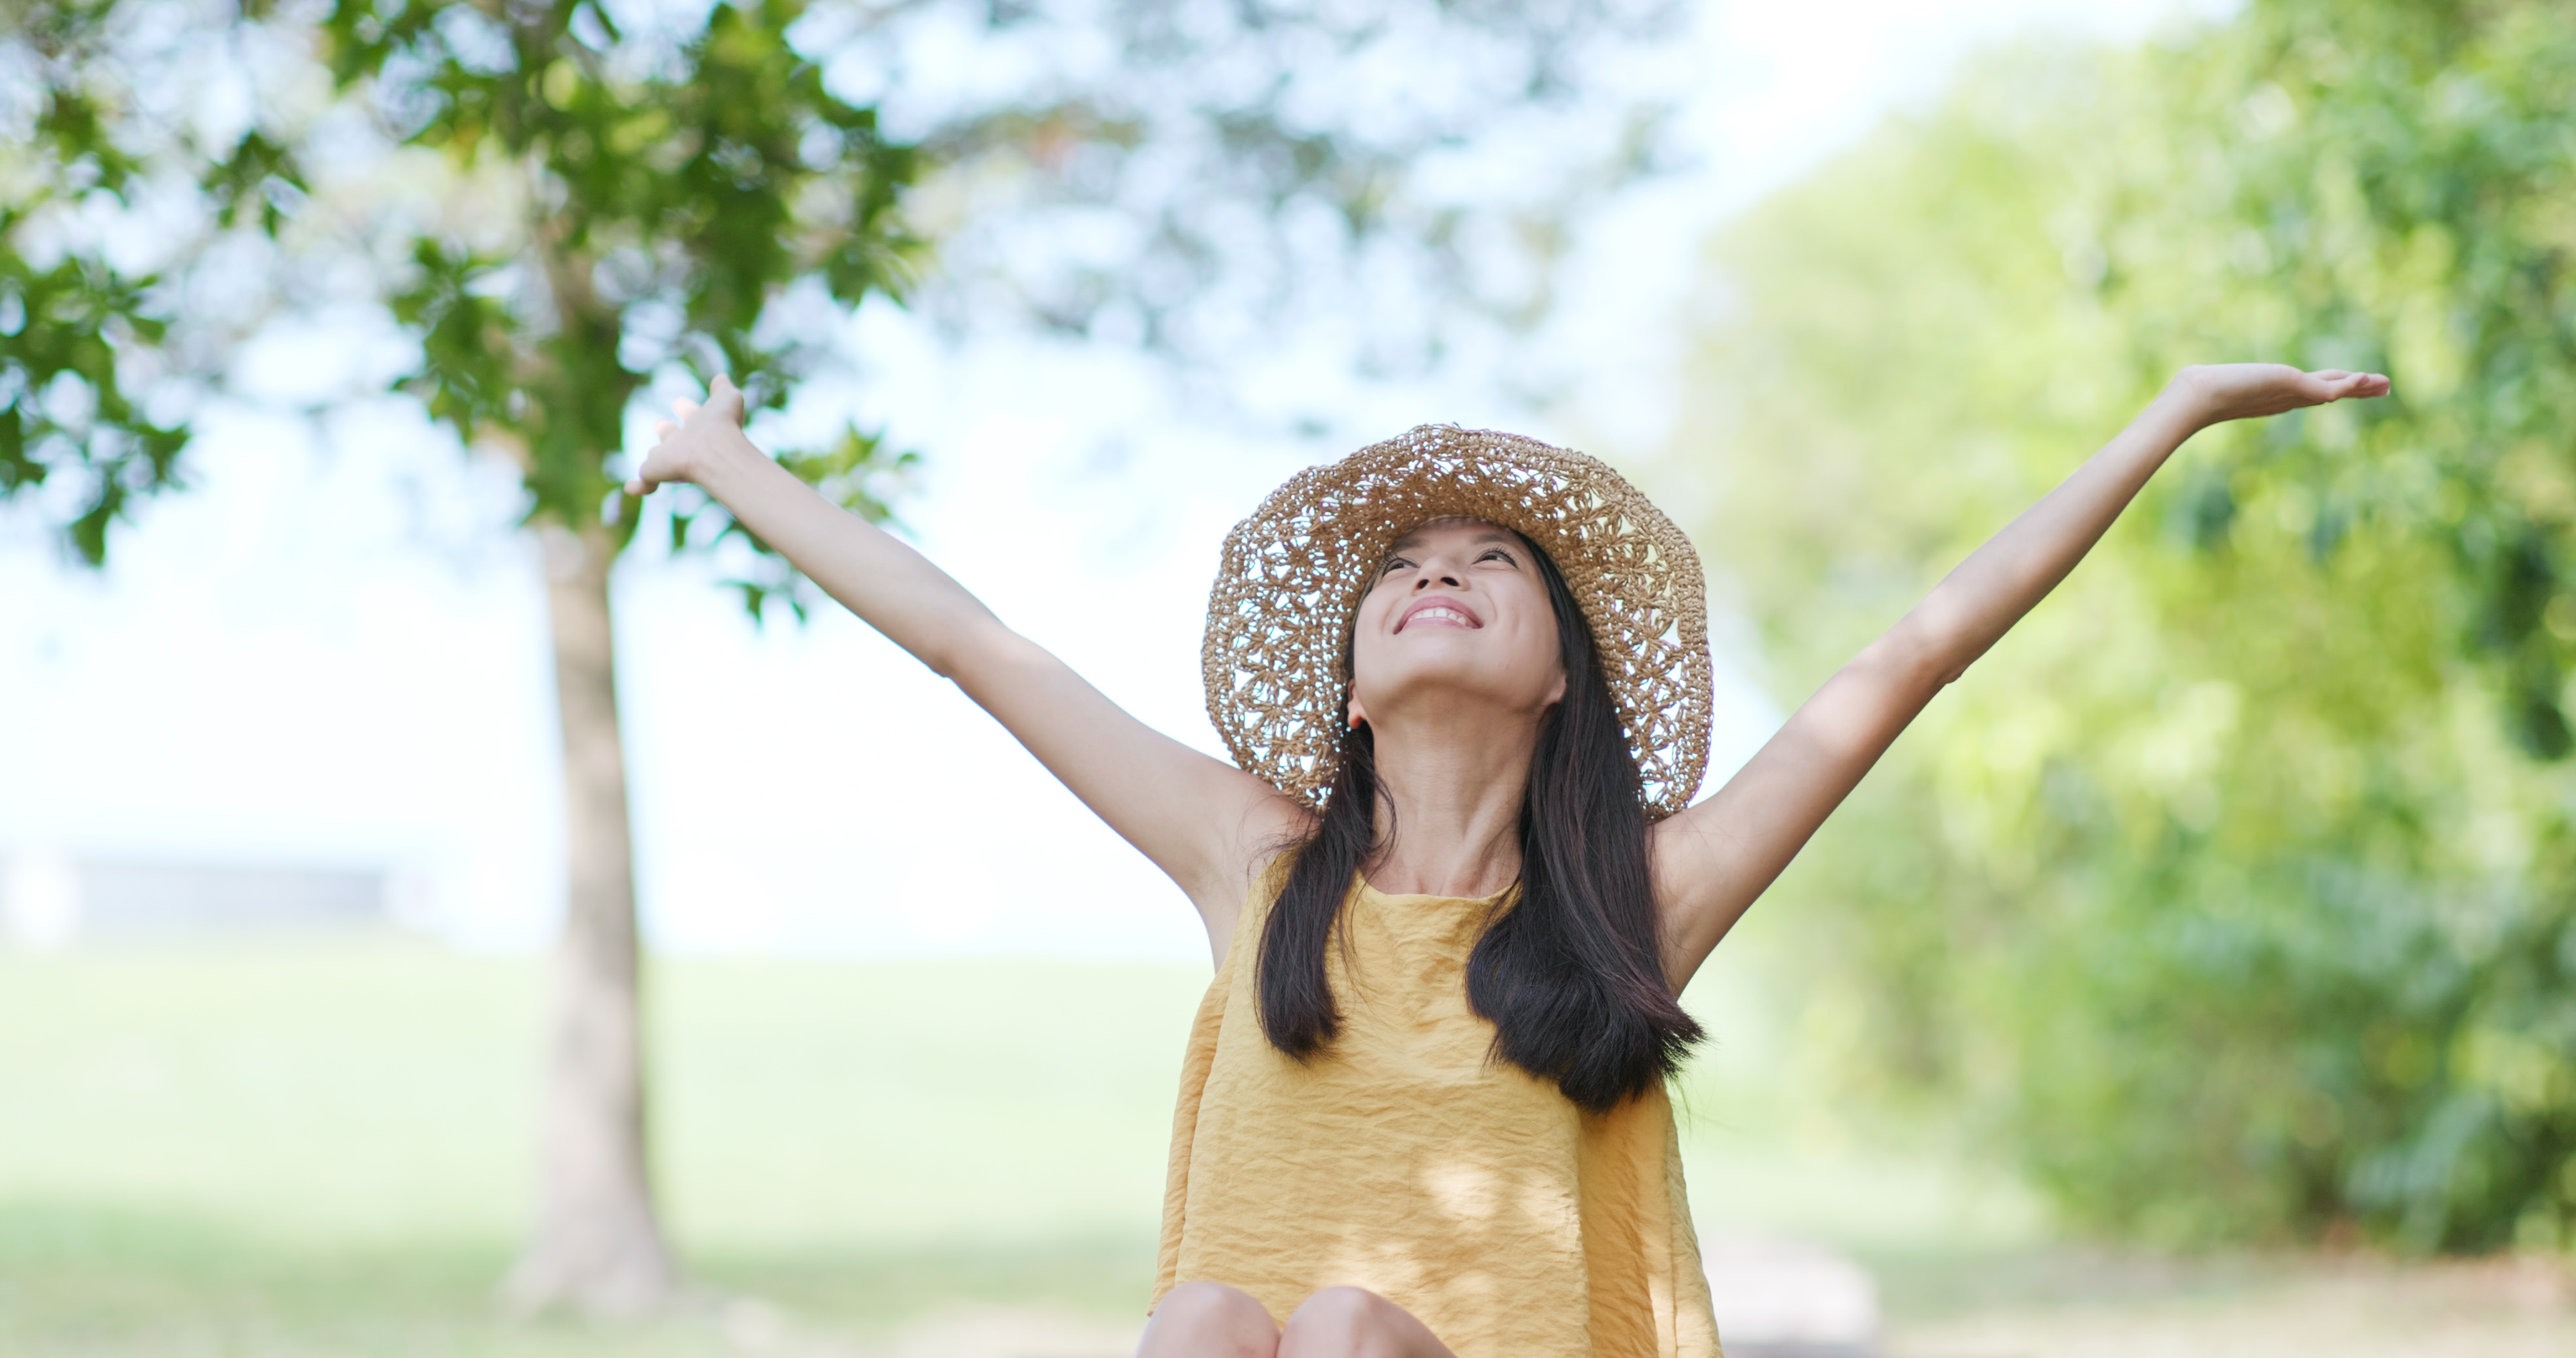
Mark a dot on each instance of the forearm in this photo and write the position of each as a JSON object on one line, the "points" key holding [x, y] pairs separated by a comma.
{"points": [[2000, 582], [1713, 859], [887, 584], [1199, 819], [1716, 857]]}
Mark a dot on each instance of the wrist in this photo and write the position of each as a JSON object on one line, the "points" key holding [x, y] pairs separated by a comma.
{"points": [[2183, 407], [725, 462]]}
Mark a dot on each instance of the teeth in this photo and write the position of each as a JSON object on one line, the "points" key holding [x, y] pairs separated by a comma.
{"points": [[1451, 614]]}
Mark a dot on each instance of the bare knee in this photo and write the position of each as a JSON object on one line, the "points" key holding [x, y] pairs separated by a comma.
{"points": [[1353, 1322], [1209, 1320]]}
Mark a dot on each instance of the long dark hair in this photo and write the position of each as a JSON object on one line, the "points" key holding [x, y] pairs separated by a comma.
{"points": [[1571, 975]]}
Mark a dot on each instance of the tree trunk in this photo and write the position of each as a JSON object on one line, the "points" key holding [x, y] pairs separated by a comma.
{"points": [[598, 1245]]}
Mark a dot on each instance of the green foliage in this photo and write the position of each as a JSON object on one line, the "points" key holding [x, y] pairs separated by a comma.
{"points": [[2235, 885], [665, 199], [612, 207], [73, 320], [1234, 173], [629, 204]]}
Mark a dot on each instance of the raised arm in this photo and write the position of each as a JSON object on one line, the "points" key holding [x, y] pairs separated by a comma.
{"points": [[1200, 820], [1714, 859]]}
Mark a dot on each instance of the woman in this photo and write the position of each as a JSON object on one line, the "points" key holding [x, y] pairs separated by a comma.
{"points": [[1451, 882]]}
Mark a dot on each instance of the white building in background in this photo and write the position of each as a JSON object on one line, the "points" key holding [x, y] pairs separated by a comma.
{"points": [[51, 900], [39, 899], [1779, 1298]]}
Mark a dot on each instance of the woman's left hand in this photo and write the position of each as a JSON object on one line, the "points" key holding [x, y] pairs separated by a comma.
{"points": [[2213, 393]]}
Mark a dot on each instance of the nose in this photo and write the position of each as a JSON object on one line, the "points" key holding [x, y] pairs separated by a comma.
{"points": [[1443, 578]]}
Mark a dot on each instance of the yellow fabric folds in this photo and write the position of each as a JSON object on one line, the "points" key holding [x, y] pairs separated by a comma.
{"points": [[1405, 1160]]}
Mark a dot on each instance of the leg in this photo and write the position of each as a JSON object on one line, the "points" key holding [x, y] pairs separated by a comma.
{"points": [[1209, 1320], [1353, 1322]]}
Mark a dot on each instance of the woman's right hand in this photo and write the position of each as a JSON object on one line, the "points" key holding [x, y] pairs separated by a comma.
{"points": [[683, 449]]}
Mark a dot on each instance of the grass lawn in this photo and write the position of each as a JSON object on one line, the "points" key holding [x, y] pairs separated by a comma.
{"points": [[311, 1150], [326, 1149], [316, 1149]]}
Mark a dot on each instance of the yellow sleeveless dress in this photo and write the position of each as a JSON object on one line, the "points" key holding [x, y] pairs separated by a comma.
{"points": [[1405, 1160]]}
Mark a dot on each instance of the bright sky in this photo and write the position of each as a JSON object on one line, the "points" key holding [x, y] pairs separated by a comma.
{"points": [[333, 651]]}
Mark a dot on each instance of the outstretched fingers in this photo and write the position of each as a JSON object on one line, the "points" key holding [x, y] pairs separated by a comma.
{"points": [[2334, 384], [669, 459], [725, 398]]}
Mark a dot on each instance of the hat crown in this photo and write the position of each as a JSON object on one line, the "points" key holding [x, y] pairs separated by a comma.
{"points": [[1291, 576]]}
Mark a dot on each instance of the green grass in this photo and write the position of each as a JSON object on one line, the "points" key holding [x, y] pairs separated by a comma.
{"points": [[82, 1280], [290, 1150], [326, 1150]]}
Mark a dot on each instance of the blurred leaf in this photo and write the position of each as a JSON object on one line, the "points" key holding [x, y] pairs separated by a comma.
{"points": [[2235, 885]]}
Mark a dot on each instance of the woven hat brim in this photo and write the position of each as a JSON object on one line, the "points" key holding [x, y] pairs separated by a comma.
{"points": [[1291, 576]]}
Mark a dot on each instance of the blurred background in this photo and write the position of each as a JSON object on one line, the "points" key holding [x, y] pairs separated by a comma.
{"points": [[2198, 976]]}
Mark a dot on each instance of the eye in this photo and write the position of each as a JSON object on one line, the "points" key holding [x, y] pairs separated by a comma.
{"points": [[1393, 564], [1497, 554]]}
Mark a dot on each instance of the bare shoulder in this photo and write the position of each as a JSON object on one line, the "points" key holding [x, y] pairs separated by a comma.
{"points": [[1695, 875], [1267, 830]]}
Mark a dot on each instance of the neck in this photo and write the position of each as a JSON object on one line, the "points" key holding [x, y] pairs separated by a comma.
{"points": [[1450, 817]]}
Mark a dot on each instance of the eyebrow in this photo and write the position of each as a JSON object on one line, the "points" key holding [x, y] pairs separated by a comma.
{"points": [[1502, 535]]}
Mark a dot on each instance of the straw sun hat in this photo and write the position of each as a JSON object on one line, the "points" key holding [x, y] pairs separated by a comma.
{"points": [[1279, 617]]}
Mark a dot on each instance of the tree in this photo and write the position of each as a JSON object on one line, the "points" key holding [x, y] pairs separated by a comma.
{"points": [[650, 202], [665, 194], [76, 322], [2235, 886], [615, 205]]}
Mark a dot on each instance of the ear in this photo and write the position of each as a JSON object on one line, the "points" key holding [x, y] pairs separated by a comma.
{"points": [[1357, 715], [1556, 694]]}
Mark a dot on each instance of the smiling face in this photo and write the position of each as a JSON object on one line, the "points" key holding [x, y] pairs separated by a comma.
{"points": [[1457, 616]]}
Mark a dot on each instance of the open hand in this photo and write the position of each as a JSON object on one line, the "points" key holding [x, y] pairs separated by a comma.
{"points": [[682, 449], [2217, 392]]}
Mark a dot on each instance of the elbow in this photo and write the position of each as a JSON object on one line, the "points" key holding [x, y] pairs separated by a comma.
{"points": [[1916, 659], [1936, 643], [1942, 669], [947, 656], [953, 658], [980, 648]]}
